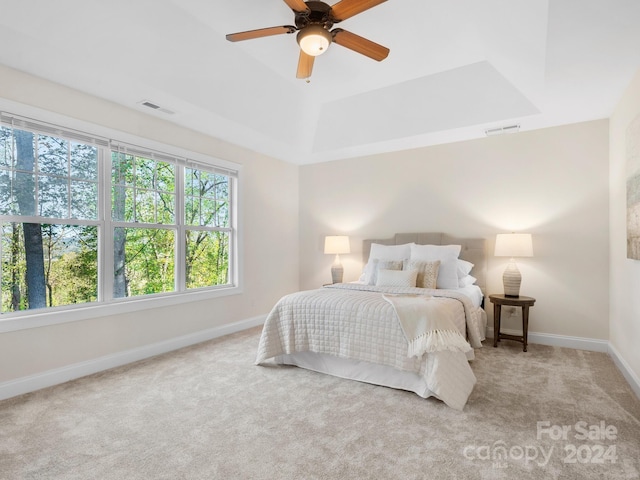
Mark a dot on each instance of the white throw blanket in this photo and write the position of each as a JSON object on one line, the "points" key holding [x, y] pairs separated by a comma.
{"points": [[426, 325]]}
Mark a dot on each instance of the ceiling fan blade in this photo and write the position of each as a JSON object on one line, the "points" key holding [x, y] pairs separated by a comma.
{"points": [[261, 32], [348, 8], [305, 65], [359, 44], [297, 5]]}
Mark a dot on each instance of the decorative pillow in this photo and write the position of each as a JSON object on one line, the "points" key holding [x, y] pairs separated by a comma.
{"points": [[383, 252], [396, 278], [448, 256], [466, 280], [375, 265], [464, 268], [427, 272]]}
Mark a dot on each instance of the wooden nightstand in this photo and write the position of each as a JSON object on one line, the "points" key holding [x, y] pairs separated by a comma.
{"points": [[525, 303]]}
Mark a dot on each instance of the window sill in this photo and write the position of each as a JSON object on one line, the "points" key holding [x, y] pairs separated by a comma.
{"points": [[45, 317]]}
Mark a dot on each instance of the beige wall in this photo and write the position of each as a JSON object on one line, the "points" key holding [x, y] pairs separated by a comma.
{"points": [[625, 273], [552, 183], [269, 200]]}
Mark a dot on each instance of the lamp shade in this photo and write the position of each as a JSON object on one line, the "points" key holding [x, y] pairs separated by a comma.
{"points": [[314, 40], [514, 245], [336, 244]]}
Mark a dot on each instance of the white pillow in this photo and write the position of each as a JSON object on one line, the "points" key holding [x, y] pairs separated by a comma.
{"points": [[464, 268], [466, 280], [390, 252], [448, 256], [383, 252], [397, 278]]}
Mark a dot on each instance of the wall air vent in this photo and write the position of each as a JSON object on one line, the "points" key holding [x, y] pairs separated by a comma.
{"points": [[501, 130], [154, 106]]}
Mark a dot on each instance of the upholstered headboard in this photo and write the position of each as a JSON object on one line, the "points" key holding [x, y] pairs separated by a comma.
{"points": [[473, 249]]}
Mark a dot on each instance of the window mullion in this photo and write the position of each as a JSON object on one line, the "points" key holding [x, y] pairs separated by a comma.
{"points": [[105, 237], [68, 179], [36, 177], [181, 236]]}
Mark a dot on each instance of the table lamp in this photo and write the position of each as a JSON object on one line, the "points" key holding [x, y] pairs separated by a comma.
{"points": [[513, 245], [335, 245]]}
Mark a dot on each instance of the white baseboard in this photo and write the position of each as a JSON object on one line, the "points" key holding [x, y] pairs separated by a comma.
{"points": [[624, 367], [579, 343], [56, 376]]}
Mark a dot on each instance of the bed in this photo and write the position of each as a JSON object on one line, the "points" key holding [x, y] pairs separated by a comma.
{"points": [[384, 330]]}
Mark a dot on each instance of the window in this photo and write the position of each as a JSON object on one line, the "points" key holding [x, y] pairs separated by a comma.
{"points": [[86, 219]]}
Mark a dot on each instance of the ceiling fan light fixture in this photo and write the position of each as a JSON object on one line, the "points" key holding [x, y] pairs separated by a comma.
{"points": [[314, 40]]}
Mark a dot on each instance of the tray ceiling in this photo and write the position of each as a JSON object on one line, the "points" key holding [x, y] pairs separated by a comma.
{"points": [[455, 68]]}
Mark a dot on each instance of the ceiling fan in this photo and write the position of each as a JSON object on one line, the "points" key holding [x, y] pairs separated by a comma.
{"points": [[313, 22]]}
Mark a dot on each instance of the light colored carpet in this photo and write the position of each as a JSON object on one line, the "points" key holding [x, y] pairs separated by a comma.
{"points": [[206, 412]]}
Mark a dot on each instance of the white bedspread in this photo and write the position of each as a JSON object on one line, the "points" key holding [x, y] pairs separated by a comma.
{"points": [[355, 321]]}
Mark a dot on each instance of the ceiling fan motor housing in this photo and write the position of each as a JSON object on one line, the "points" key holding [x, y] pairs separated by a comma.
{"points": [[319, 13]]}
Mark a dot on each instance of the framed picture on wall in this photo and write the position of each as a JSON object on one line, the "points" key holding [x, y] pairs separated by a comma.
{"points": [[633, 189]]}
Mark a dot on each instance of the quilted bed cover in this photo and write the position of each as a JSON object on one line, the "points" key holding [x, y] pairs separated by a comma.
{"points": [[354, 321]]}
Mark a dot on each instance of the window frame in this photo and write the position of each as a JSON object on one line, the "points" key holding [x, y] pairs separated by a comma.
{"points": [[105, 139]]}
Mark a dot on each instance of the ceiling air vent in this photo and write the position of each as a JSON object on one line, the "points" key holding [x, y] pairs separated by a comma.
{"points": [[154, 106], [501, 130]]}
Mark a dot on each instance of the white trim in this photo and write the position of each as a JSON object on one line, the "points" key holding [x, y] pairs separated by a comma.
{"points": [[578, 343], [90, 128], [56, 376], [105, 305], [625, 369], [74, 313]]}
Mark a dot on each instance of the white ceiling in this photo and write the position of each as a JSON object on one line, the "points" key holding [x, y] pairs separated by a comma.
{"points": [[456, 67]]}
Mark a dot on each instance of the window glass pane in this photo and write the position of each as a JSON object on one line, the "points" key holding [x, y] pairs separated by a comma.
{"points": [[53, 198], [190, 181], [48, 265], [143, 190], [192, 211], [206, 199], [145, 173], [222, 214], [207, 262], [222, 187], [122, 204], [53, 155], [121, 169], [18, 182], [165, 177], [6, 207], [7, 155], [143, 261], [84, 200], [84, 161], [24, 192], [145, 206], [166, 207]]}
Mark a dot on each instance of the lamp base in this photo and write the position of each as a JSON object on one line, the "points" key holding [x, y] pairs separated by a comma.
{"points": [[511, 280], [336, 273]]}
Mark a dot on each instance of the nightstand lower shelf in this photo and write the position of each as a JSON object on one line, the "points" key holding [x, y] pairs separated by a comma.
{"points": [[521, 301]]}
